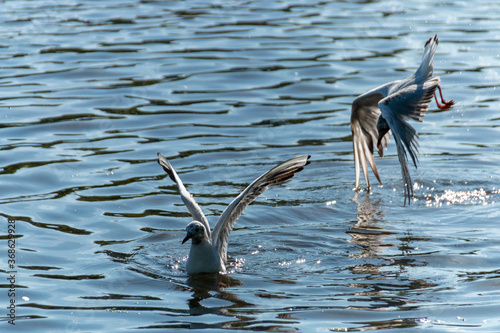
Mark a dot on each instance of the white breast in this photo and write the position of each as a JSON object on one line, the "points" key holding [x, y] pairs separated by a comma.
{"points": [[204, 258]]}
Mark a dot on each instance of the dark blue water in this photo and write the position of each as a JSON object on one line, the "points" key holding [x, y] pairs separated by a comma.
{"points": [[92, 90]]}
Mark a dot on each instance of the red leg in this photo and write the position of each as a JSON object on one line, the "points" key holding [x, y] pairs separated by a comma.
{"points": [[447, 104], [442, 107]]}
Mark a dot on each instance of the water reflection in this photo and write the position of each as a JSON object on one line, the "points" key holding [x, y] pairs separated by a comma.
{"points": [[366, 233], [384, 282], [92, 90], [202, 287], [212, 282], [209, 296], [209, 293]]}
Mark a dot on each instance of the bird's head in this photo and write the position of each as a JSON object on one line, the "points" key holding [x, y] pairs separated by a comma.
{"points": [[196, 231]]}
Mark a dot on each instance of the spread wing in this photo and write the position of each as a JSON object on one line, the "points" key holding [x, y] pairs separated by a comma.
{"points": [[187, 198], [397, 108], [426, 67], [364, 116], [276, 175]]}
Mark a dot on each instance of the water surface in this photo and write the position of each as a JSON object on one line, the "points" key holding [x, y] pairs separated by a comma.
{"points": [[92, 90]]}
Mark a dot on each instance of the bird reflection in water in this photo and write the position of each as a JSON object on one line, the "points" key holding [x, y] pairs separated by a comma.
{"points": [[381, 276], [365, 233], [203, 286]]}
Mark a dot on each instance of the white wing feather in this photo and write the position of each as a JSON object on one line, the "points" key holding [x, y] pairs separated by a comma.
{"points": [[426, 67], [276, 175], [187, 198], [364, 116]]}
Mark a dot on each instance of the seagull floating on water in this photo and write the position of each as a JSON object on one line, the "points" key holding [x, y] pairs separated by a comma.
{"points": [[208, 256], [385, 109]]}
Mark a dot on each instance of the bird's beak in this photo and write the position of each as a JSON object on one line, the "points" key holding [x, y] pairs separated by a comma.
{"points": [[188, 236]]}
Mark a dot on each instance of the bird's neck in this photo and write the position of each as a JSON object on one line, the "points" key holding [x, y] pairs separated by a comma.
{"points": [[201, 248], [202, 242]]}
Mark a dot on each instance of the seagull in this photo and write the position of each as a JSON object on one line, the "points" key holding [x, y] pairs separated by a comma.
{"points": [[210, 256], [387, 108]]}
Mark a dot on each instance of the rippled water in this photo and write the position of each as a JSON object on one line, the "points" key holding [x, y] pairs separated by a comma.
{"points": [[91, 90]]}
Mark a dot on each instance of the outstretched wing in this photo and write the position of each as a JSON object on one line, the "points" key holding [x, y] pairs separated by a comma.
{"points": [[187, 198], [364, 116], [397, 108], [426, 67], [276, 175]]}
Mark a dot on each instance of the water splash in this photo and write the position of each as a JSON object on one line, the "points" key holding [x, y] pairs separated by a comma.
{"points": [[472, 197]]}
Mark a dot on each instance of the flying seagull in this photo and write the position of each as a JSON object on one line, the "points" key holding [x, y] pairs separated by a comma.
{"points": [[387, 108], [209, 254]]}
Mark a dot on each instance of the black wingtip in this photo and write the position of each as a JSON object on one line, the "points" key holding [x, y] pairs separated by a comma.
{"points": [[162, 161], [435, 38], [307, 160], [290, 173], [305, 164]]}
